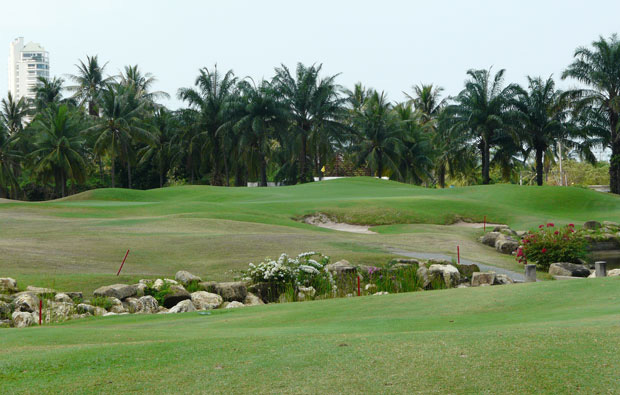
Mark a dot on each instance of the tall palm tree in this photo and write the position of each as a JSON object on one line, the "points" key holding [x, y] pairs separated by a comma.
{"points": [[59, 148], [47, 92], [13, 114], [163, 149], [313, 103], [454, 155], [119, 126], [599, 69], [484, 111], [427, 100], [90, 82], [416, 158], [261, 116], [379, 141], [542, 116], [142, 82], [9, 161], [214, 99]]}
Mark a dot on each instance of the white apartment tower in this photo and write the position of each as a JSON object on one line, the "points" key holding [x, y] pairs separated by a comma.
{"points": [[26, 63]]}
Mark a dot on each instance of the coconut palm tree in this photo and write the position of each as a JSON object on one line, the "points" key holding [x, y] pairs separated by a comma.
{"points": [[9, 161], [13, 114], [213, 99], [59, 154], [121, 124], [427, 100], [379, 140], [484, 111], [47, 92], [313, 102], [90, 82], [142, 82], [598, 68], [454, 154], [163, 150], [416, 161]]}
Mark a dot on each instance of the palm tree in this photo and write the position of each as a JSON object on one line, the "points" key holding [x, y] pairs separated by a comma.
{"points": [[163, 149], [47, 92], [313, 103], [379, 141], [9, 161], [542, 117], [13, 114], [58, 154], [454, 155], [483, 110], [214, 100], [426, 100], [599, 69], [142, 82], [416, 158], [90, 82], [261, 116], [120, 124]]}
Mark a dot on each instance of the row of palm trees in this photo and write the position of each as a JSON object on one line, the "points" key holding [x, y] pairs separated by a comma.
{"points": [[111, 130]]}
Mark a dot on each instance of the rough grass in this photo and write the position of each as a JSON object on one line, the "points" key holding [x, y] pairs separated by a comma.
{"points": [[551, 337]]}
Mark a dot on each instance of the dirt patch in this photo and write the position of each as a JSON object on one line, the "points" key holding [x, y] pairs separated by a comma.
{"points": [[323, 221], [480, 225]]}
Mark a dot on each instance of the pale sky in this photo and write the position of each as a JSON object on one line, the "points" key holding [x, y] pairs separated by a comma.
{"points": [[387, 45]]}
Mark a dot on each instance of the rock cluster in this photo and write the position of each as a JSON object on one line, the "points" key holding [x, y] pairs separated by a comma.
{"points": [[503, 239]]}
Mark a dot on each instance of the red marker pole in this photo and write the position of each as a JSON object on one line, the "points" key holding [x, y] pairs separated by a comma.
{"points": [[359, 293], [40, 310], [121, 268], [458, 254], [485, 223]]}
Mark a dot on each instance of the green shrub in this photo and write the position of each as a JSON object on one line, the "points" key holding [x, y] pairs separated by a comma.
{"points": [[158, 294], [550, 244], [193, 286], [395, 281], [102, 301]]}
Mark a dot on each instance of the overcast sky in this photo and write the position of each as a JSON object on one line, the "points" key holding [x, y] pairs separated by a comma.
{"points": [[387, 45]]}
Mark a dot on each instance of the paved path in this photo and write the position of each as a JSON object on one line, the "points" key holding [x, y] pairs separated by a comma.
{"points": [[424, 255]]}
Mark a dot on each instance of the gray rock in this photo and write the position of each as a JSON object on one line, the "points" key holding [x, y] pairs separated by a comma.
{"points": [[118, 309], [177, 294], [502, 279], [230, 291], [59, 311], [5, 323], [611, 224], [592, 225], [22, 319], [490, 238], [449, 273], [506, 244], [139, 289], [26, 302], [183, 306], [8, 284], [84, 308], [5, 310], [149, 305], [119, 291], [63, 297], [185, 277], [252, 300], [467, 270], [74, 295], [203, 300], [267, 292], [568, 269], [305, 293], [424, 276], [40, 291], [342, 267], [482, 278], [499, 228], [133, 305], [234, 304], [613, 273]]}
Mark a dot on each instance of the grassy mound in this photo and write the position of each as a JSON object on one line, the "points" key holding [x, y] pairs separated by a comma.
{"points": [[552, 337]]}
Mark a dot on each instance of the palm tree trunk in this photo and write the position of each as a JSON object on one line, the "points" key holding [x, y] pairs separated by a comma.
{"points": [[486, 179], [226, 171], [100, 169], [442, 175], [539, 166], [380, 165], [239, 175], [161, 177], [263, 171], [302, 159], [128, 174], [614, 161], [113, 171]]}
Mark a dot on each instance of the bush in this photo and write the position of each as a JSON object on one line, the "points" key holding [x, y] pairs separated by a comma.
{"points": [[550, 244], [101, 301], [158, 294]]}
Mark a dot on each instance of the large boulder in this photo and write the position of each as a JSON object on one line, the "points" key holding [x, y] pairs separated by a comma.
{"points": [[58, 311], [5, 310], [423, 275], [185, 277], [119, 291], [22, 319], [506, 244], [133, 305], [448, 273], [490, 238], [613, 273], [252, 300], [140, 288], [84, 308], [234, 304], [341, 268], [203, 300], [26, 301], [177, 294], [8, 285], [183, 306], [592, 225], [267, 292], [229, 291], [568, 269], [149, 305], [75, 295], [63, 297], [467, 270], [482, 278], [502, 279]]}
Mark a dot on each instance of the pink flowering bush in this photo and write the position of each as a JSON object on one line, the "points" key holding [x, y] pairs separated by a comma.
{"points": [[552, 244]]}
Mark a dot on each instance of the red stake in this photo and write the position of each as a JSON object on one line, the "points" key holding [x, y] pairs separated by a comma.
{"points": [[458, 254], [485, 223], [121, 268], [359, 293], [40, 309]]}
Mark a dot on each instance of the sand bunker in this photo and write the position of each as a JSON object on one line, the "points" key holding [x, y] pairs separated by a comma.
{"points": [[321, 220]]}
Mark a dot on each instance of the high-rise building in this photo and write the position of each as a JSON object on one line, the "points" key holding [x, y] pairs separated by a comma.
{"points": [[26, 63]]}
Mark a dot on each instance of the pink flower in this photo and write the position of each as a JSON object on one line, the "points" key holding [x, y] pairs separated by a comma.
{"points": [[543, 250], [541, 226], [556, 233], [571, 225], [550, 224]]}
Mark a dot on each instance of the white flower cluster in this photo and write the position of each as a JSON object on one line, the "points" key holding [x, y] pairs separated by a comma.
{"points": [[301, 270]]}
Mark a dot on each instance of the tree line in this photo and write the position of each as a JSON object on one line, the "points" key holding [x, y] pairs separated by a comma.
{"points": [[96, 130]]}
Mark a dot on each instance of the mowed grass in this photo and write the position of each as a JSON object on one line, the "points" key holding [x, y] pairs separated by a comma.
{"points": [[549, 337], [77, 243]]}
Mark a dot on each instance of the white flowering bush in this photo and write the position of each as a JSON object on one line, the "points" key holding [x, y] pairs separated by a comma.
{"points": [[308, 269]]}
